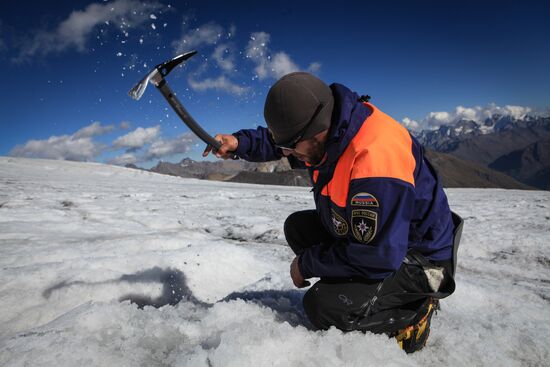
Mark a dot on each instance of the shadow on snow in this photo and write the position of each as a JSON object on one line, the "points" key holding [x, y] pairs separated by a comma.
{"points": [[287, 304]]}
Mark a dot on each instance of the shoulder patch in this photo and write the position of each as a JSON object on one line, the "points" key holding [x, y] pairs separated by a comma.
{"points": [[364, 199], [339, 223], [363, 223]]}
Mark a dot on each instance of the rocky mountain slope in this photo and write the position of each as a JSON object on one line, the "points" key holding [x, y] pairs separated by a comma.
{"points": [[516, 147], [529, 164], [454, 171]]}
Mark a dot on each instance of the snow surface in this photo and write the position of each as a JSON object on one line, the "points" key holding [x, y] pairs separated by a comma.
{"points": [[80, 241]]}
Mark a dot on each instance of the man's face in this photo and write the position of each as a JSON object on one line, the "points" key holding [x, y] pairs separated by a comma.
{"points": [[311, 151]]}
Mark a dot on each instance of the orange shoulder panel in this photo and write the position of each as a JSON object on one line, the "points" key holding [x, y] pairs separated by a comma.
{"points": [[381, 148]]}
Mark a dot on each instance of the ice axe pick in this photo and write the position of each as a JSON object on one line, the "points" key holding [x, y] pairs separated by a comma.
{"points": [[157, 78]]}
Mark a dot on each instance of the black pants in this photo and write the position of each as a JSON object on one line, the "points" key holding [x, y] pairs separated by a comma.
{"points": [[357, 304]]}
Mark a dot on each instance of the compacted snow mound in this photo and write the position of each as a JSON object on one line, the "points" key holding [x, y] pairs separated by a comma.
{"points": [[102, 265]]}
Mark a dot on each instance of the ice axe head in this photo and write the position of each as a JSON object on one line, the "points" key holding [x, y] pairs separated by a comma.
{"points": [[158, 73]]}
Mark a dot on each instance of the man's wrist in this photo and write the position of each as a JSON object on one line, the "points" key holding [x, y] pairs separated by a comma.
{"points": [[241, 146], [304, 274]]}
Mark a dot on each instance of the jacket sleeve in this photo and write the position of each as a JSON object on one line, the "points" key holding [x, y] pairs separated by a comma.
{"points": [[256, 145], [378, 213]]}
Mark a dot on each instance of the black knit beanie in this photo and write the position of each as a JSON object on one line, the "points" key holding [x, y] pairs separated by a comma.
{"points": [[298, 104]]}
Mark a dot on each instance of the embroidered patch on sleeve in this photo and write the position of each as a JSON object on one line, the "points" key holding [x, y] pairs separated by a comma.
{"points": [[339, 223], [364, 199], [363, 223]]}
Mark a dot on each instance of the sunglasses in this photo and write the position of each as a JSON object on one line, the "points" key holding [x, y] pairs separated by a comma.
{"points": [[291, 144]]}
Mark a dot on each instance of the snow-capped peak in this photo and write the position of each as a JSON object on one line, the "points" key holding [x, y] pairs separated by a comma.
{"points": [[464, 129]]}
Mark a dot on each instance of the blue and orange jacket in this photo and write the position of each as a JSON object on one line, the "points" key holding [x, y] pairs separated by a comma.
{"points": [[375, 192]]}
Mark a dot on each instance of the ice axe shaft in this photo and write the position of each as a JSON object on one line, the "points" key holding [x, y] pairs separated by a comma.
{"points": [[177, 106], [157, 78]]}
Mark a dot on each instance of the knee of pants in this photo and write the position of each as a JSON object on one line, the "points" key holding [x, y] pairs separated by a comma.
{"points": [[312, 307], [320, 313], [324, 312], [289, 224]]}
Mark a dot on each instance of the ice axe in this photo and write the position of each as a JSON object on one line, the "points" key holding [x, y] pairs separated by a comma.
{"points": [[156, 77]]}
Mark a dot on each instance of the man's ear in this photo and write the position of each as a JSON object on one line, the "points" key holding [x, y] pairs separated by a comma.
{"points": [[322, 136]]}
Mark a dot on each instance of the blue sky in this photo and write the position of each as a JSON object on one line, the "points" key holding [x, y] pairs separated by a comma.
{"points": [[67, 66]]}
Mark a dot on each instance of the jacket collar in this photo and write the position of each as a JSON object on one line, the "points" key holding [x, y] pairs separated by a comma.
{"points": [[348, 116]]}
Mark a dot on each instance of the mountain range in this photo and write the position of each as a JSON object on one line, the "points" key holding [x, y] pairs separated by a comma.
{"points": [[267, 173], [499, 152], [519, 148]]}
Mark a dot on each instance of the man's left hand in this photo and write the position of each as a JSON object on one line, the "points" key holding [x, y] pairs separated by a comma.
{"points": [[296, 276]]}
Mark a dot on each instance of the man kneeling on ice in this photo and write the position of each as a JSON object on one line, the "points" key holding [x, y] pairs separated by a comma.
{"points": [[382, 239]]}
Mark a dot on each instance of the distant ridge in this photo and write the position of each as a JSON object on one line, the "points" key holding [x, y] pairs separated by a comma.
{"points": [[519, 148], [454, 171]]}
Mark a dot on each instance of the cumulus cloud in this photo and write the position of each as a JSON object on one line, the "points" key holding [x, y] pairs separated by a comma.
{"points": [[124, 159], [206, 34], [478, 114], [141, 145], [221, 84], [270, 65], [224, 58], [76, 147], [411, 124], [163, 148], [314, 67], [223, 55], [94, 129], [138, 138], [144, 145], [74, 31]]}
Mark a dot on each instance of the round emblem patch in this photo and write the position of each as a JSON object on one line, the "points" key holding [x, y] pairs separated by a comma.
{"points": [[339, 223]]}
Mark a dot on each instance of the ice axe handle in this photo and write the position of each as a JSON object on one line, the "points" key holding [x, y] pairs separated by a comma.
{"points": [[187, 118]]}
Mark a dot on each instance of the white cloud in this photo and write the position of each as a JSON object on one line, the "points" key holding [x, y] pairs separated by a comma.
{"points": [[314, 67], [410, 124], [125, 125], [221, 84], [280, 65], [213, 37], [163, 148], [224, 58], [124, 159], [478, 114], [74, 31], [94, 129], [257, 45], [206, 34], [65, 147], [223, 55], [268, 65], [76, 147], [80, 146], [138, 138]]}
